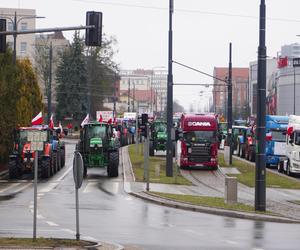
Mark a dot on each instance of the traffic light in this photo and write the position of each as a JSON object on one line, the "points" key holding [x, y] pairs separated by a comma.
{"points": [[143, 125], [2, 37], [144, 119], [93, 36]]}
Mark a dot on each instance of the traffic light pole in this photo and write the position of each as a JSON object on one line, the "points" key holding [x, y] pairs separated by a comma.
{"points": [[169, 166], [260, 165]]}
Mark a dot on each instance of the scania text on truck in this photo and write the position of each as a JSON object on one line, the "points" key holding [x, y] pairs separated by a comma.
{"points": [[198, 146]]}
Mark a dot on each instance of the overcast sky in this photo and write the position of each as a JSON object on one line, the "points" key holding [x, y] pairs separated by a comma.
{"points": [[202, 32]]}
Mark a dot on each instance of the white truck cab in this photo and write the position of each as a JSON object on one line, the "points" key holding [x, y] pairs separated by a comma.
{"points": [[291, 164]]}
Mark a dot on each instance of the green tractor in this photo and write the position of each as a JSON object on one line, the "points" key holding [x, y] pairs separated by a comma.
{"points": [[99, 147], [158, 136]]}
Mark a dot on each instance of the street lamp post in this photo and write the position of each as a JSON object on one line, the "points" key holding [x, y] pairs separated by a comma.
{"points": [[169, 165], [15, 23], [260, 166]]}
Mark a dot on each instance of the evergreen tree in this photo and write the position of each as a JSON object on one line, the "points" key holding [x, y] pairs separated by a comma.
{"points": [[20, 99], [101, 74], [71, 76]]}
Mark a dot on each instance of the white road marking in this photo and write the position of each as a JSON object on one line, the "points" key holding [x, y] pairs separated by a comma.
{"points": [[231, 242], [128, 198], [39, 216], [50, 223], [193, 232], [48, 188], [88, 238], [68, 231], [54, 183], [9, 187], [89, 187]]}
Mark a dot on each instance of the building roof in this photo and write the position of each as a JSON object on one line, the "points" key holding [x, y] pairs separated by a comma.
{"points": [[222, 72]]}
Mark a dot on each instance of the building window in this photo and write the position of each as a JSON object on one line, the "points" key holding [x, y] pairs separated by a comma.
{"points": [[10, 26], [23, 26], [23, 47]]}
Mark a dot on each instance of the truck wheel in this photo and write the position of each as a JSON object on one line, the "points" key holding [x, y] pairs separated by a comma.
{"points": [[13, 169], [151, 148], [113, 164], [288, 171], [45, 168], [279, 167]]}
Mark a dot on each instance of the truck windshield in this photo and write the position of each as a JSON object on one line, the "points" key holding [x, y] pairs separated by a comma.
{"points": [[161, 128], [23, 136], [97, 131], [278, 135], [297, 138], [199, 136]]}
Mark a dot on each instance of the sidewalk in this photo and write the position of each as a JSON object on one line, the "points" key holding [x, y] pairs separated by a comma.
{"points": [[278, 200]]}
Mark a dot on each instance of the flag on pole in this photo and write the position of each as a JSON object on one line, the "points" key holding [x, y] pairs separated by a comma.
{"points": [[37, 120], [100, 118], [86, 120], [51, 123]]}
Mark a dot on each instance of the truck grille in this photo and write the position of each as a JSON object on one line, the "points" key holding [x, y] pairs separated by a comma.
{"points": [[200, 154]]}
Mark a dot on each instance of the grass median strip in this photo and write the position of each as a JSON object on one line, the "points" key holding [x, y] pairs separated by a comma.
{"points": [[42, 242], [157, 169], [247, 175], [216, 202]]}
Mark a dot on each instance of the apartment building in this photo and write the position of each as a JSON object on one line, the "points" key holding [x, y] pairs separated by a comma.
{"points": [[25, 20], [239, 91]]}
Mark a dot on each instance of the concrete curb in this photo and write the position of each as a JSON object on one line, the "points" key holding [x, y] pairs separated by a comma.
{"points": [[211, 210]]}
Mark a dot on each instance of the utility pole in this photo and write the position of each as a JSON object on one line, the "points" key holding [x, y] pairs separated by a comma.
{"points": [[115, 97], [260, 164], [128, 95], [169, 166], [50, 84], [15, 38], [133, 96], [229, 121]]}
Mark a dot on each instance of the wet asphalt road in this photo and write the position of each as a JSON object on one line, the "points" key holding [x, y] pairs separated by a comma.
{"points": [[108, 214]]}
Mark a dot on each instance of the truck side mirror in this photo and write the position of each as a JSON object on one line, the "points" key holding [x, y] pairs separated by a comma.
{"points": [[178, 134]]}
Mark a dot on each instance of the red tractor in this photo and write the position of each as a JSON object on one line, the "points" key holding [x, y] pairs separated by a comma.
{"points": [[21, 160]]}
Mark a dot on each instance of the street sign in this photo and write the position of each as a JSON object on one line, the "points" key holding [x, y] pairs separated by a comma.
{"points": [[296, 62], [37, 139], [77, 169], [37, 136], [36, 146]]}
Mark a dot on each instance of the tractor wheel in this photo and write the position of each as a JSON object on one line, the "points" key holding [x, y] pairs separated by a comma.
{"points": [[63, 157], [13, 169], [45, 168], [113, 164], [54, 162], [151, 148]]}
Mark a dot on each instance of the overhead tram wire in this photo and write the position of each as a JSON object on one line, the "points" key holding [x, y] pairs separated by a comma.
{"points": [[188, 11]]}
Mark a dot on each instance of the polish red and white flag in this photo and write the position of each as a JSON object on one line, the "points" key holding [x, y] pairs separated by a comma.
{"points": [[37, 120], [51, 123], [100, 118], [85, 120]]}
